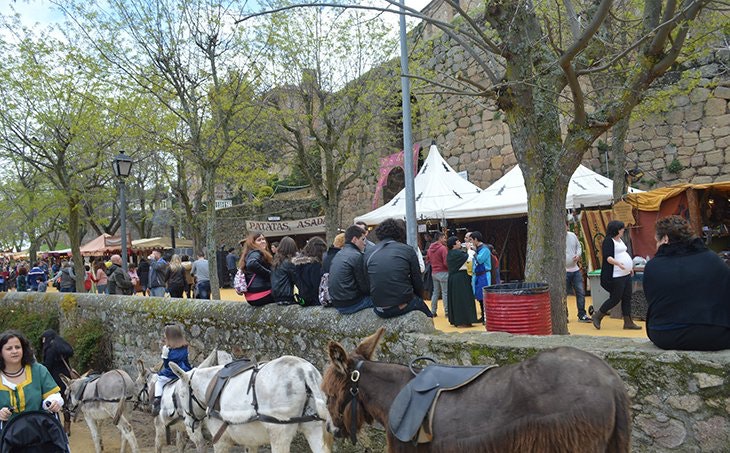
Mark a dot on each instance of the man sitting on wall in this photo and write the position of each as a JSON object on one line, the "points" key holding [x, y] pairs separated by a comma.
{"points": [[394, 273], [348, 284]]}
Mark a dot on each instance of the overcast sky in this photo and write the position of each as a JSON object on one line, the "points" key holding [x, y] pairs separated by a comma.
{"points": [[43, 12]]}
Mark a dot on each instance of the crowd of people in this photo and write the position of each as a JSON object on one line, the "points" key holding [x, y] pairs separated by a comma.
{"points": [[355, 274], [153, 275]]}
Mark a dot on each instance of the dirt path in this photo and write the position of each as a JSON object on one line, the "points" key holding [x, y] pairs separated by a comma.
{"points": [[144, 431]]}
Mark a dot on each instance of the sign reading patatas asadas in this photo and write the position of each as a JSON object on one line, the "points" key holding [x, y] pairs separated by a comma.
{"points": [[287, 227]]}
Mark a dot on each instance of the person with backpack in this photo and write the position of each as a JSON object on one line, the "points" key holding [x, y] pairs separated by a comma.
{"points": [[255, 264]]}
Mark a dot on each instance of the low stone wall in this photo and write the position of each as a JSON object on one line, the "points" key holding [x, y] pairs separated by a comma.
{"points": [[681, 400]]}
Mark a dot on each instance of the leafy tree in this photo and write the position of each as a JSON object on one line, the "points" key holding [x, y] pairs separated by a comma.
{"points": [[56, 119], [328, 102], [202, 70]]}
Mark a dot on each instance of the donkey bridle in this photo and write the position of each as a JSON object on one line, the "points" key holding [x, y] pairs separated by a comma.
{"points": [[190, 411], [354, 391]]}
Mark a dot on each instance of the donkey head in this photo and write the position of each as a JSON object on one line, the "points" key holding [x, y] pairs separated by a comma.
{"points": [[338, 384]]}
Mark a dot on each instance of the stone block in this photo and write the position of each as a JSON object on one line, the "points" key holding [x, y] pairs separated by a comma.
{"points": [[646, 156], [716, 157], [681, 100], [468, 147], [483, 153], [497, 162], [688, 403], [464, 122], [482, 164], [498, 140], [692, 125], [697, 161], [687, 173], [707, 145], [659, 142], [713, 434], [658, 164], [648, 133], [642, 146], [676, 131], [715, 107], [510, 160], [722, 92], [718, 132], [694, 112], [453, 161], [506, 150], [668, 433], [675, 116], [699, 95], [465, 159], [708, 171], [717, 121], [701, 180], [723, 142], [705, 133]]}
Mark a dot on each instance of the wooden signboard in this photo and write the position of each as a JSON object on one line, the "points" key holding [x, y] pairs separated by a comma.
{"points": [[624, 212]]}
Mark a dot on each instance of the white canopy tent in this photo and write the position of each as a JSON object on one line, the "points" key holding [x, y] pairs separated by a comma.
{"points": [[508, 195], [437, 188]]}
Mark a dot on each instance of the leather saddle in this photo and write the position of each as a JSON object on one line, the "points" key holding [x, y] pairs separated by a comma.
{"points": [[86, 381], [219, 381], [409, 418]]}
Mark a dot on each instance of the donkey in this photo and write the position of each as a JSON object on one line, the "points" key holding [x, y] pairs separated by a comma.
{"points": [[171, 415], [262, 405], [104, 398], [559, 400]]}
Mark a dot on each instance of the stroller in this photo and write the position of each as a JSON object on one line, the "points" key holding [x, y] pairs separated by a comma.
{"points": [[33, 432]]}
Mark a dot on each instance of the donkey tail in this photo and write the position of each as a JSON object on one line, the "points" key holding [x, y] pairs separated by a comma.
{"points": [[620, 440], [313, 380], [120, 410]]}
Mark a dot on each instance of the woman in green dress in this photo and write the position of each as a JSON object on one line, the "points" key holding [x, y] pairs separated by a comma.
{"points": [[462, 309]]}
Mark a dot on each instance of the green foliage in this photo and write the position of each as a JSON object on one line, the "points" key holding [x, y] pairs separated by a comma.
{"points": [[92, 346], [264, 192], [675, 166], [32, 324]]}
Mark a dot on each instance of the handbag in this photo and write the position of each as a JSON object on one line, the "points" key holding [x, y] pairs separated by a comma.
{"points": [[240, 284], [324, 291]]}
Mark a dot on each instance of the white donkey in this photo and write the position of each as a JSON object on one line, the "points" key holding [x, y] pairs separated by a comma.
{"points": [[107, 397], [263, 405], [171, 414]]}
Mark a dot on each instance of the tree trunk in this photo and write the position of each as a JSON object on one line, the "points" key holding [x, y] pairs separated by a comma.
{"points": [[332, 217], [619, 132], [75, 243], [215, 290]]}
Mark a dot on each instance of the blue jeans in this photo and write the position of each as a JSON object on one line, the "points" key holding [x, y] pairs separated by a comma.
{"points": [[203, 290], [575, 280], [157, 291], [440, 291], [415, 304], [366, 302]]}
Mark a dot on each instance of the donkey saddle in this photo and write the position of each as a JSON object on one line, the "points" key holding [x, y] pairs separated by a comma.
{"points": [[409, 418], [220, 380]]}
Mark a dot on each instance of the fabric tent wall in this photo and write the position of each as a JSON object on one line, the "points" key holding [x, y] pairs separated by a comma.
{"points": [[509, 238], [642, 237]]}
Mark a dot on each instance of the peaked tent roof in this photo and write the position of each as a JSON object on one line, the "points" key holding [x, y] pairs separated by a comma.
{"points": [[508, 195], [437, 188]]}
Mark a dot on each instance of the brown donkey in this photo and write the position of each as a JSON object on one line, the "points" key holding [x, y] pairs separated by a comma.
{"points": [[560, 400]]}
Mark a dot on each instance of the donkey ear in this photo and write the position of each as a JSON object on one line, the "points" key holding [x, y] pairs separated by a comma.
{"points": [[338, 357], [179, 372], [367, 347], [140, 368], [66, 381], [224, 358], [210, 360], [85, 374]]}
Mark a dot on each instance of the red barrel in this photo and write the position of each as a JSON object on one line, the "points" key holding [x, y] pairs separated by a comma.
{"points": [[521, 308]]}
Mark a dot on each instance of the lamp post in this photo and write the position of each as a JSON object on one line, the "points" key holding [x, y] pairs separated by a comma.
{"points": [[122, 166]]}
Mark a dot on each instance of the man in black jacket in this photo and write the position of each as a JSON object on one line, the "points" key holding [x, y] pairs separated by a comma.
{"points": [[348, 282], [394, 273], [119, 281]]}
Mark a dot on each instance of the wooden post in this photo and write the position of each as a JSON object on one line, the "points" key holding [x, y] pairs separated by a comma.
{"points": [[695, 216]]}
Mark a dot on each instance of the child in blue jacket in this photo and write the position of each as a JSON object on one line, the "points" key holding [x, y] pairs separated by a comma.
{"points": [[174, 350]]}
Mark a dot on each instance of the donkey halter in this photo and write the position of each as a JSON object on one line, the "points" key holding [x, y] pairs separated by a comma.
{"points": [[190, 411], [354, 391]]}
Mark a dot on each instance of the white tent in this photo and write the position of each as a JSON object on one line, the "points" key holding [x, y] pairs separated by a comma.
{"points": [[508, 196], [437, 188]]}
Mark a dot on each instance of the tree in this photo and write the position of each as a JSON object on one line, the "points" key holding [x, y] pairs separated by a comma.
{"points": [[537, 72], [56, 120], [197, 66], [329, 103]]}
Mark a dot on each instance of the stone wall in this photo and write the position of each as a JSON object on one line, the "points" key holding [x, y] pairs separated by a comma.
{"points": [[686, 139], [681, 400]]}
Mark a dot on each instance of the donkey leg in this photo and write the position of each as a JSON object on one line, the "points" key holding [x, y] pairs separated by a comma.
{"points": [[159, 434], [318, 438], [180, 441], [127, 434], [94, 430], [281, 437]]}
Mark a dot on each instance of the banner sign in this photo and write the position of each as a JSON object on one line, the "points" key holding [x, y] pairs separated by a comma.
{"points": [[287, 227]]}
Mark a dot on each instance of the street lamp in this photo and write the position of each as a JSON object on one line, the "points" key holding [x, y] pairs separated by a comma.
{"points": [[122, 166]]}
